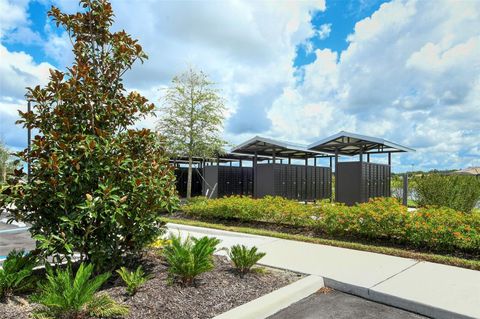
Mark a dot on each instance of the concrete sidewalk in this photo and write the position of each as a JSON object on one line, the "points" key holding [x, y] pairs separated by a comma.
{"points": [[430, 289]]}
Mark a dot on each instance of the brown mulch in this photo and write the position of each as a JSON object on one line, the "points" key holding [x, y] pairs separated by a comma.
{"points": [[17, 308], [215, 292]]}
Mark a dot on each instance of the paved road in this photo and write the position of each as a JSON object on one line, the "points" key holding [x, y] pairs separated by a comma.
{"points": [[13, 237], [338, 305]]}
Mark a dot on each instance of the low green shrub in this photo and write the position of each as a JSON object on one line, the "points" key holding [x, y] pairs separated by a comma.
{"points": [[458, 192], [133, 279], [16, 273], [244, 258], [190, 257], [69, 296], [268, 209], [380, 219]]}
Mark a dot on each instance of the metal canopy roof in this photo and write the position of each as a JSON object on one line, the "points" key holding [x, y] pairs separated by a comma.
{"points": [[225, 157], [268, 147], [353, 144]]}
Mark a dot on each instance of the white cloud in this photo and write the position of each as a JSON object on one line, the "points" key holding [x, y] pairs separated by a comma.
{"points": [[411, 74], [13, 14], [324, 31], [18, 71]]}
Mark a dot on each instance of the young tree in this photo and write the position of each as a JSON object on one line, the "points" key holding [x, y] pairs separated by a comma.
{"points": [[96, 186], [192, 118], [5, 164]]}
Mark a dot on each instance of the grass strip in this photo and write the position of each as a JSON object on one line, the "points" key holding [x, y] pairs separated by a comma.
{"points": [[440, 259]]}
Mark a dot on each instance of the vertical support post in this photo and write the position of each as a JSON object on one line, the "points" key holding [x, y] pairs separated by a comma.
{"points": [[331, 177], [315, 180], [368, 157], [289, 160], [389, 158], [361, 155], [255, 186], [305, 189], [241, 177], [29, 143], [405, 190], [218, 180], [336, 174]]}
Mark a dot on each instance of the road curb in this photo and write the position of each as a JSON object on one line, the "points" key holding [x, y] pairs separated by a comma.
{"points": [[14, 230], [275, 301], [395, 301], [414, 306]]}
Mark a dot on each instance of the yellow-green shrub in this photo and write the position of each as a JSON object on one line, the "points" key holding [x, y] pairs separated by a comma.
{"points": [[268, 209], [440, 229]]}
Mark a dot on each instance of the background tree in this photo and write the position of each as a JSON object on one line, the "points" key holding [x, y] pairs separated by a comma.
{"points": [[97, 186], [192, 118], [6, 165]]}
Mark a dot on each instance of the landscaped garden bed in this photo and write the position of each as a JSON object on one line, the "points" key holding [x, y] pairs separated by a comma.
{"points": [[214, 292], [383, 224]]}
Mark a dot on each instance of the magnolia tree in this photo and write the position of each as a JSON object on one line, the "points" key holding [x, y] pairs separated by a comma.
{"points": [[96, 186], [192, 118]]}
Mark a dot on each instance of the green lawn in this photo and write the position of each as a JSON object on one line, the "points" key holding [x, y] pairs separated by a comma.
{"points": [[441, 259]]}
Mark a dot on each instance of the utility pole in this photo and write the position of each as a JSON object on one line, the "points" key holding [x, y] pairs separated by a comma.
{"points": [[29, 142]]}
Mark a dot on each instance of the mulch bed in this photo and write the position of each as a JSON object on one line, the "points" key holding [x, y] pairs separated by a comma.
{"points": [[215, 292]]}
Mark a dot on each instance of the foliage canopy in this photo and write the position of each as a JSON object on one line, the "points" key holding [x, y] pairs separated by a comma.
{"points": [[192, 118], [97, 185]]}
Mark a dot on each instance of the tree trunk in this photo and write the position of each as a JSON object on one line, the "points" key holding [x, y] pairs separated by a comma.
{"points": [[189, 178]]}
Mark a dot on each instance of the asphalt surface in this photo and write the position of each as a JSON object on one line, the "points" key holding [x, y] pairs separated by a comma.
{"points": [[338, 305], [14, 237]]}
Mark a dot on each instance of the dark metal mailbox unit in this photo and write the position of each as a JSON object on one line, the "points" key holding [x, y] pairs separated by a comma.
{"points": [[360, 180], [223, 181], [181, 174], [305, 183], [276, 178]]}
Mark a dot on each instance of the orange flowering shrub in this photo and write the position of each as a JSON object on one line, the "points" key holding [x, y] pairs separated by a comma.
{"points": [[385, 219]]}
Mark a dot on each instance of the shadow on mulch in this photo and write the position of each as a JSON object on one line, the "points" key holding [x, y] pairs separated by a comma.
{"points": [[214, 292]]}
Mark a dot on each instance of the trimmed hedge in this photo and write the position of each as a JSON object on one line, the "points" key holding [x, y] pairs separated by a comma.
{"points": [[440, 229]]}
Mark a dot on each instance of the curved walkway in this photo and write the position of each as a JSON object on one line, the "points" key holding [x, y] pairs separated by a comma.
{"points": [[434, 290]]}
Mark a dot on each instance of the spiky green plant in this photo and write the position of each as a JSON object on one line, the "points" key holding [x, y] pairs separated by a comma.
{"points": [[190, 257], [16, 273], [69, 296], [243, 258], [133, 279]]}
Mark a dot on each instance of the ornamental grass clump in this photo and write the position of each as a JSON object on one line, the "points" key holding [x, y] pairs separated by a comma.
{"points": [[244, 258], [190, 257], [16, 273], [67, 296], [133, 279]]}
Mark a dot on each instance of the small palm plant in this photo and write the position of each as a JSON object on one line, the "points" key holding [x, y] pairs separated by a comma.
{"points": [[133, 279], [243, 258], [66, 296], [16, 273], [190, 257]]}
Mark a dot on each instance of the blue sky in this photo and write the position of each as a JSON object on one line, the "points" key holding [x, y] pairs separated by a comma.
{"points": [[405, 70]]}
